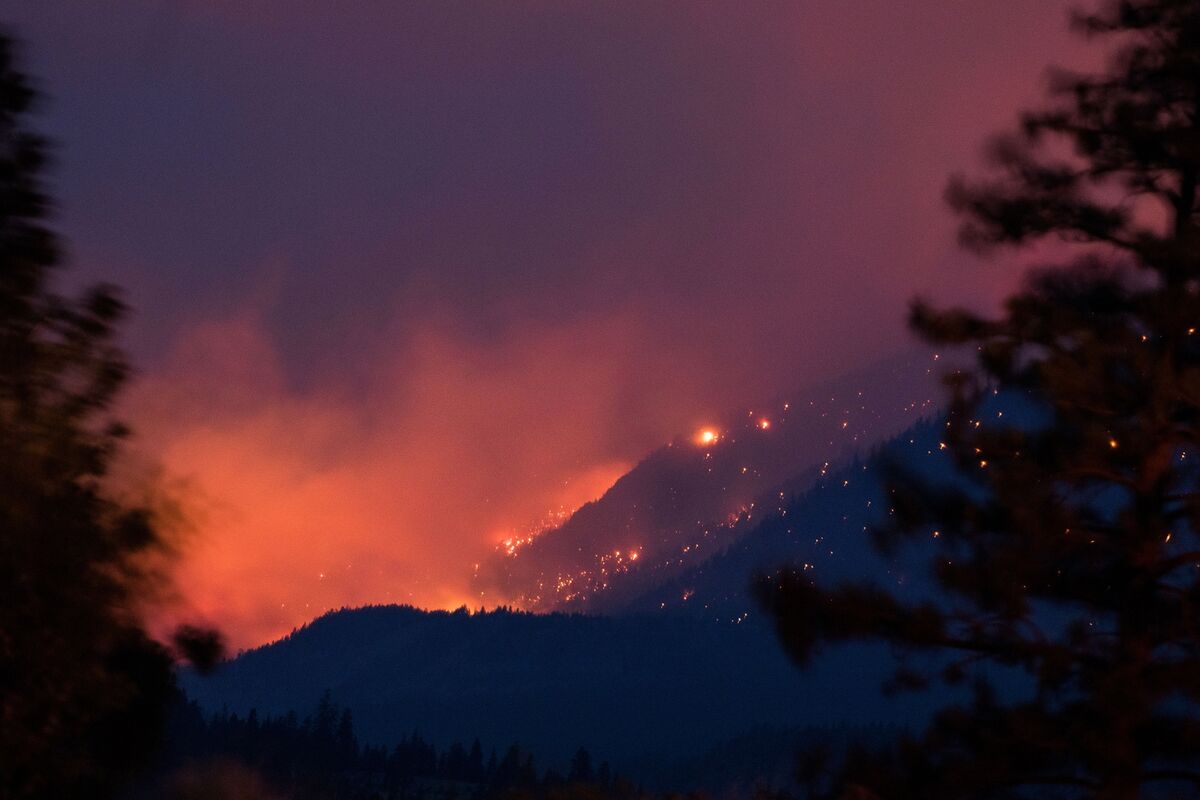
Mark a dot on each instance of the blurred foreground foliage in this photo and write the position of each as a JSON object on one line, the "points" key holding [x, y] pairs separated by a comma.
{"points": [[83, 687], [1066, 552]]}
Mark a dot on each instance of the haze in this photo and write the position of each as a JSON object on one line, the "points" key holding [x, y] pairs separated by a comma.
{"points": [[408, 275]]}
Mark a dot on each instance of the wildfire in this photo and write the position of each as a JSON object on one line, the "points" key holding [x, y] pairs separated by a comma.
{"points": [[512, 544], [707, 436]]}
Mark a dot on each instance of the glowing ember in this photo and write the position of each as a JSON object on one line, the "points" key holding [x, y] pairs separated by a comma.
{"points": [[707, 436], [763, 424]]}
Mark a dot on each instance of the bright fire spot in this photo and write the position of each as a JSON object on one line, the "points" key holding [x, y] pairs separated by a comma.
{"points": [[577, 491], [633, 555], [707, 436], [764, 424]]}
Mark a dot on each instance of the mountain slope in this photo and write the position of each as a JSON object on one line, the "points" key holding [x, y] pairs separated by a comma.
{"points": [[687, 663], [622, 687], [823, 528], [697, 495]]}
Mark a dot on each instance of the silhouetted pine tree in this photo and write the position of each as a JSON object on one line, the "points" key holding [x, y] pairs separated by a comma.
{"points": [[476, 770], [1066, 547], [604, 776], [581, 767], [346, 741], [83, 689]]}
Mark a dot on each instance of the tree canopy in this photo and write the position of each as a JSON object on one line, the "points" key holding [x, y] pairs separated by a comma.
{"points": [[1066, 547], [82, 685]]}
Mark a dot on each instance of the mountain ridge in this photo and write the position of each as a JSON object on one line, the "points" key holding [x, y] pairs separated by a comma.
{"points": [[695, 495]]}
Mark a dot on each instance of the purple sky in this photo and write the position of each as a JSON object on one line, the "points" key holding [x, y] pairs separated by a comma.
{"points": [[409, 274]]}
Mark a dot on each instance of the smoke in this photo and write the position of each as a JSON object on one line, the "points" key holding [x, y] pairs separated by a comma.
{"points": [[411, 275], [301, 501]]}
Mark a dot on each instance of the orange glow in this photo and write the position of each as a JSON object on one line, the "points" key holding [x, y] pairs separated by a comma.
{"points": [[764, 423], [392, 500], [456, 343]]}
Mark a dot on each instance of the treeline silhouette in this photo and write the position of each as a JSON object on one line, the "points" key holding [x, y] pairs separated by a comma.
{"points": [[634, 685], [320, 755]]}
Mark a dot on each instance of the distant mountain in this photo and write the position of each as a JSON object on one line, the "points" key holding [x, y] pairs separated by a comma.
{"points": [[702, 492], [622, 687], [683, 662], [823, 528]]}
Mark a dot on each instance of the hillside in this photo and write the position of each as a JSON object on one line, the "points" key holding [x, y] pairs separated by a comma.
{"points": [[623, 687], [822, 528], [677, 669], [702, 492]]}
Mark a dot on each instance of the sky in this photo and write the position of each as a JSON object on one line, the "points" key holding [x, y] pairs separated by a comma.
{"points": [[407, 275]]}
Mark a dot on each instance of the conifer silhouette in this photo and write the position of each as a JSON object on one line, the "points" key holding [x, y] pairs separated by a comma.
{"points": [[83, 688], [1066, 547]]}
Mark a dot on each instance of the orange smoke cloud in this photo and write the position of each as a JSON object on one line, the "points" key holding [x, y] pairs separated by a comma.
{"points": [[715, 205], [305, 501]]}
